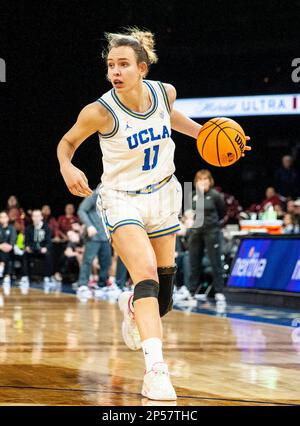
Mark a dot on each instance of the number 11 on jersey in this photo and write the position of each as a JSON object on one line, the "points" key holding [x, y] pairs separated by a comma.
{"points": [[147, 152]]}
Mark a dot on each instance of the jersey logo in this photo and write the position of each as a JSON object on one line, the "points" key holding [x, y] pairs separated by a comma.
{"points": [[161, 114], [128, 127], [145, 136]]}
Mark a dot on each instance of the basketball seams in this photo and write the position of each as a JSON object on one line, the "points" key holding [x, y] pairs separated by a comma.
{"points": [[228, 127], [217, 146], [228, 120], [215, 122], [212, 123], [232, 128], [237, 156], [204, 142], [202, 149]]}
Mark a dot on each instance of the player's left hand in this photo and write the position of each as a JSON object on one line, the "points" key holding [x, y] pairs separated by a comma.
{"points": [[247, 148]]}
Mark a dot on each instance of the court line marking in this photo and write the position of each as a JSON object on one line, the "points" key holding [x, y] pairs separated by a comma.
{"points": [[202, 398]]}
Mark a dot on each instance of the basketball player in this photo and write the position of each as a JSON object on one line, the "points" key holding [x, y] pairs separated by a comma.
{"points": [[139, 197]]}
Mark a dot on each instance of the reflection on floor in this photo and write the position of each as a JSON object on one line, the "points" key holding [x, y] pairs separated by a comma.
{"points": [[279, 316], [270, 315], [58, 350]]}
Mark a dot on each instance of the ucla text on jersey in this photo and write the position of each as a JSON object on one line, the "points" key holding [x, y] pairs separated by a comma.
{"points": [[145, 136]]}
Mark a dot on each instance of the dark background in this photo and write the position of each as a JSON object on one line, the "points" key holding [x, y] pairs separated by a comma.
{"points": [[206, 48]]}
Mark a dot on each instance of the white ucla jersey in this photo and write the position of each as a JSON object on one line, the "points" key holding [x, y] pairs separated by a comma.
{"points": [[139, 150]]}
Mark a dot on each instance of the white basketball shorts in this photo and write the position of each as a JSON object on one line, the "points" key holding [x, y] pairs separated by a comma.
{"points": [[155, 208]]}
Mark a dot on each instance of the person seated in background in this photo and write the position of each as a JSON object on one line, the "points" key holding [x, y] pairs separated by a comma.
{"points": [[272, 198], [290, 207], [287, 178], [71, 258], [80, 229], [51, 221], [19, 249], [232, 209], [296, 212], [289, 224], [13, 203], [16, 219], [8, 237], [279, 211], [65, 221], [37, 246]]}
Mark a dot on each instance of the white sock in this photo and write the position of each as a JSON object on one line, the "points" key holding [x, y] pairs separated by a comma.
{"points": [[1, 270], [152, 349]]}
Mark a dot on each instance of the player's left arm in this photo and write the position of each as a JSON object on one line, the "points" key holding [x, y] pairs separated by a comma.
{"points": [[180, 122]]}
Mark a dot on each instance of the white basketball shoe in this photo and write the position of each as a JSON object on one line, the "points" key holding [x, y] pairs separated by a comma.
{"points": [[220, 299], [157, 384], [130, 331]]}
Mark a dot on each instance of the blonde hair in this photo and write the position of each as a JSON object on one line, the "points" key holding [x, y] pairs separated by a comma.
{"points": [[142, 42], [206, 174]]}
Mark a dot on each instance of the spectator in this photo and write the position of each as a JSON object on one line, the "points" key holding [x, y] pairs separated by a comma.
{"points": [[287, 178], [296, 212], [232, 208], [206, 233], [77, 227], [37, 246], [16, 219], [20, 241], [97, 243], [272, 198], [7, 241], [289, 224], [19, 250], [290, 207], [13, 202], [18, 212], [72, 258], [51, 221], [279, 211], [65, 222]]}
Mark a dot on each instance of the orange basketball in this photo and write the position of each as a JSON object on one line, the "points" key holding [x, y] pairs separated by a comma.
{"points": [[221, 142]]}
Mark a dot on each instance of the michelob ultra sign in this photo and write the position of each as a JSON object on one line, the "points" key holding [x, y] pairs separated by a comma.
{"points": [[235, 106]]}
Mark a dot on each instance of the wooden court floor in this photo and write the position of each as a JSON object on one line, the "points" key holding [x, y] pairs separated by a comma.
{"points": [[55, 350]]}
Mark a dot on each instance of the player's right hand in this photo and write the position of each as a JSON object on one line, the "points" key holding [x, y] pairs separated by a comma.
{"points": [[75, 180]]}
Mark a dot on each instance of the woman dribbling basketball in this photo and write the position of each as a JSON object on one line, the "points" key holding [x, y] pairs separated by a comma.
{"points": [[139, 197]]}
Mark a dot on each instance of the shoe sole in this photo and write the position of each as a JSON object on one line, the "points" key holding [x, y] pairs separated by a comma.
{"points": [[120, 304], [146, 395], [135, 348]]}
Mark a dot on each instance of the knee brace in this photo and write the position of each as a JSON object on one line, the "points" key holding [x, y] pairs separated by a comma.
{"points": [[145, 288], [166, 277]]}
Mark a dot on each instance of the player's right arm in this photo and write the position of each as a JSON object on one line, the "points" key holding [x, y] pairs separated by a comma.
{"points": [[91, 119]]}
